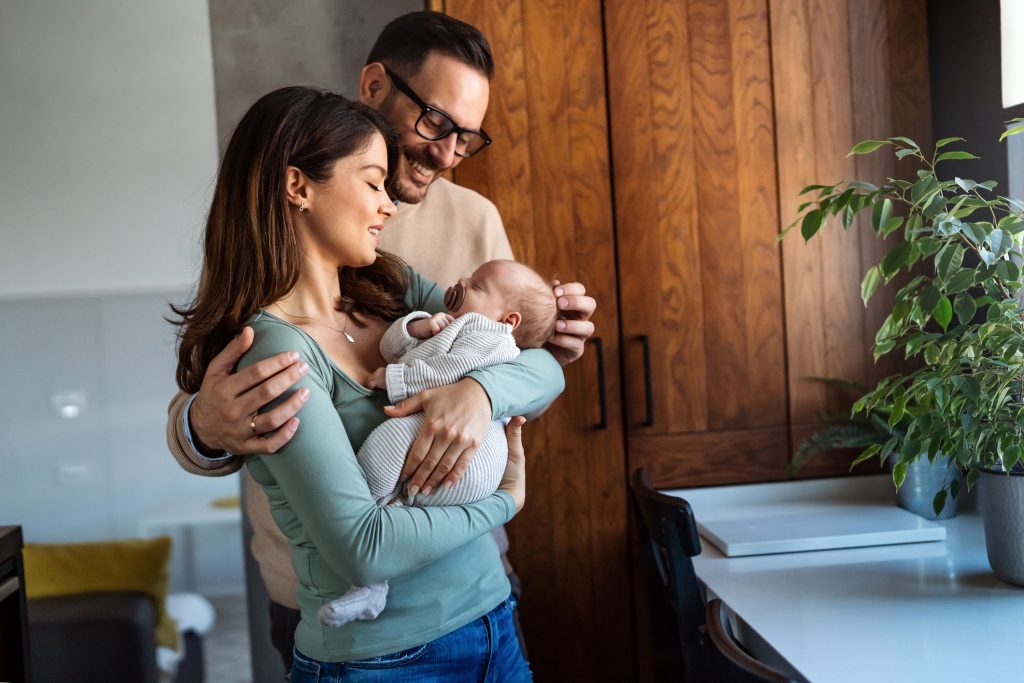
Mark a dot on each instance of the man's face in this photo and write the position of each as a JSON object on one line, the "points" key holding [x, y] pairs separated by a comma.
{"points": [[456, 89]]}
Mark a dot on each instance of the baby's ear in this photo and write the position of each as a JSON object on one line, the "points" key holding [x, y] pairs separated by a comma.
{"points": [[512, 318]]}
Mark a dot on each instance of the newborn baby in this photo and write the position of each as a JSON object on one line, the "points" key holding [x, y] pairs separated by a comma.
{"points": [[501, 308]]}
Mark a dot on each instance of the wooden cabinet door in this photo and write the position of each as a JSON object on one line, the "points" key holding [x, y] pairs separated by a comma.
{"points": [[548, 173], [693, 154]]}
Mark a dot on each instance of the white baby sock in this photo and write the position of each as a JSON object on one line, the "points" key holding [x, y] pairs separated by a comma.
{"points": [[360, 603]]}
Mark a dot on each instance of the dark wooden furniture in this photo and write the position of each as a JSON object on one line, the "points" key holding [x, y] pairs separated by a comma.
{"points": [[653, 149], [14, 650], [733, 664], [667, 532]]}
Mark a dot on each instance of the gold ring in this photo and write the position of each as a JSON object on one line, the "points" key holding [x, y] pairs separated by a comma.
{"points": [[252, 423]]}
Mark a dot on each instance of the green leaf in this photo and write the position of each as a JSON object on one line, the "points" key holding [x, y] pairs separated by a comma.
{"points": [[891, 225], [899, 474], [945, 141], [909, 287], [1016, 130], [880, 213], [905, 153], [1008, 270], [965, 308], [923, 188], [943, 313], [1000, 241], [870, 283], [975, 233], [961, 280], [931, 355], [899, 407], [948, 260], [930, 299], [811, 224], [866, 454], [1011, 456], [895, 259], [957, 154], [867, 146], [939, 502], [811, 188], [965, 185], [904, 141]]}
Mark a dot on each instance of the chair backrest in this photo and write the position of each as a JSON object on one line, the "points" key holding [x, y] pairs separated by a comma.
{"points": [[668, 533], [732, 664]]}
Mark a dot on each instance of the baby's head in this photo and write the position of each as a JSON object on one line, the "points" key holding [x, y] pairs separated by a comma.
{"points": [[508, 292]]}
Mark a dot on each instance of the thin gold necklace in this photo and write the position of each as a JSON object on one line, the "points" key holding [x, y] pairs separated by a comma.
{"points": [[344, 330]]}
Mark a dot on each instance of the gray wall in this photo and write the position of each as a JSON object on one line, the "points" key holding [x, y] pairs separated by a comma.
{"points": [[260, 46], [108, 149]]}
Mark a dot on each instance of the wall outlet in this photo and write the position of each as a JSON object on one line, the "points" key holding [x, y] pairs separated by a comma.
{"points": [[69, 404]]}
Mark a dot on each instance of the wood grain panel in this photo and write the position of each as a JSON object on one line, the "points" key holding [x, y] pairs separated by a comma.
{"points": [[711, 458], [569, 545], [680, 365]]}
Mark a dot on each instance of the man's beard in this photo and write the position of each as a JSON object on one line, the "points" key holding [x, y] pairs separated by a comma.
{"points": [[406, 191]]}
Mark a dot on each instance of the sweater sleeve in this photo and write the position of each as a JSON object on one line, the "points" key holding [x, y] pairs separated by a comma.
{"points": [[520, 387], [182, 450], [397, 341], [470, 342], [329, 502]]}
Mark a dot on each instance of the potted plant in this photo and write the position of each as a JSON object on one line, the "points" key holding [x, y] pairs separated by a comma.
{"points": [[924, 477], [960, 320]]}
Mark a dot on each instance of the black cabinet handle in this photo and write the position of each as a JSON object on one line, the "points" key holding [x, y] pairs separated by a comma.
{"points": [[602, 395], [648, 390]]}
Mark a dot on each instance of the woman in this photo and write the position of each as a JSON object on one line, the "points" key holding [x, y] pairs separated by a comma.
{"points": [[296, 211]]}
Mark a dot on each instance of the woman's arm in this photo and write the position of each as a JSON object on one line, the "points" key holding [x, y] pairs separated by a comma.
{"points": [[327, 492]]}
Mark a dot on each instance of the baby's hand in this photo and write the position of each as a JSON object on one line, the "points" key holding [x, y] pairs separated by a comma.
{"points": [[425, 328], [378, 379]]}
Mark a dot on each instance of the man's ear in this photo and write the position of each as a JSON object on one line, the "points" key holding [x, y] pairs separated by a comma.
{"points": [[374, 84], [512, 318], [297, 188]]}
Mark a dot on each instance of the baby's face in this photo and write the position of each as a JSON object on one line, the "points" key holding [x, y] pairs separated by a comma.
{"points": [[488, 291]]}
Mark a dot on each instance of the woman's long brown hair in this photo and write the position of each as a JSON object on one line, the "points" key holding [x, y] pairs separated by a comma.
{"points": [[251, 255]]}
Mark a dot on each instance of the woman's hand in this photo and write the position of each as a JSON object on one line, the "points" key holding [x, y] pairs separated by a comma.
{"points": [[457, 419], [513, 481]]}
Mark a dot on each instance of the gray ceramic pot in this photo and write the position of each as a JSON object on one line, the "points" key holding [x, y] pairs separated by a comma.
{"points": [[1001, 497], [924, 480]]}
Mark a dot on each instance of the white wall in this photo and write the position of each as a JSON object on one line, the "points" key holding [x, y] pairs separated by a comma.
{"points": [[107, 155], [107, 144]]}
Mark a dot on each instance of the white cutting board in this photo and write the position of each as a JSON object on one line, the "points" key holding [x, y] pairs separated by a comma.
{"points": [[818, 527]]}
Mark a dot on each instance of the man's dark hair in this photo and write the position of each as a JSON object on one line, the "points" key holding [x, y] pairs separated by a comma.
{"points": [[405, 43]]}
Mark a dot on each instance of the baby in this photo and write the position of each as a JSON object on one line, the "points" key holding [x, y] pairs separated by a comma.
{"points": [[502, 307]]}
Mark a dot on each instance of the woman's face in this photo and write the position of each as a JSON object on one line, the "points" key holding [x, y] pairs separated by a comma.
{"points": [[348, 210]]}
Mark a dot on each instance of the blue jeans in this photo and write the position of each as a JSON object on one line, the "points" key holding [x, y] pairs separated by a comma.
{"points": [[485, 650]]}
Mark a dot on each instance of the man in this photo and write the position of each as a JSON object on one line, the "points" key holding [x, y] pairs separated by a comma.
{"points": [[430, 74]]}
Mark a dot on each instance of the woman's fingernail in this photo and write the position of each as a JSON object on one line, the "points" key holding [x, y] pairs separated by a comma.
{"points": [[303, 368], [427, 490], [447, 485], [413, 490], [293, 356], [303, 394]]}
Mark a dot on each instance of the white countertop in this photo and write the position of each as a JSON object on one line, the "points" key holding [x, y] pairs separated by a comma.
{"points": [[904, 613]]}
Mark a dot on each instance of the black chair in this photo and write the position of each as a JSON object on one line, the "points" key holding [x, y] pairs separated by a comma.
{"points": [[668, 532], [731, 662]]}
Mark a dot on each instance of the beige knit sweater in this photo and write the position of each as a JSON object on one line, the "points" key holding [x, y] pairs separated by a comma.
{"points": [[446, 236]]}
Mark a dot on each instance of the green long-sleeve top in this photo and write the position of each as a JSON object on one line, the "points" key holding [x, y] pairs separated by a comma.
{"points": [[443, 566]]}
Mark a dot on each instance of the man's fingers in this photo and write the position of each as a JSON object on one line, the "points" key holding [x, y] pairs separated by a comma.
{"points": [[575, 328], [266, 444], [269, 387], [569, 288], [272, 419], [567, 342], [579, 307], [225, 361]]}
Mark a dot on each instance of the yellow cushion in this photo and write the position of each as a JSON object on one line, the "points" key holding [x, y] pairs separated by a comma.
{"points": [[140, 565]]}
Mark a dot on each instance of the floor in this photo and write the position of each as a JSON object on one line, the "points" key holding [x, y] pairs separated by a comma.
{"points": [[227, 645]]}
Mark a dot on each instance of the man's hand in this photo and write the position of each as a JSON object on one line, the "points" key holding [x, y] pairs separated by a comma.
{"points": [[224, 411], [573, 327], [513, 481], [457, 419], [425, 328]]}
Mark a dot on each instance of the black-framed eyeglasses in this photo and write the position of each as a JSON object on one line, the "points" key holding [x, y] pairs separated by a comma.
{"points": [[433, 124]]}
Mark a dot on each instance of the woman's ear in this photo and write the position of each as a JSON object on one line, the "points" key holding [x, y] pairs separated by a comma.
{"points": [[512, 318], [297, 188], [374, 84]]}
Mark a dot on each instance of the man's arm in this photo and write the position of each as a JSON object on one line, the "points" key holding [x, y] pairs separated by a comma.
{"points": [[181, 448]]}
